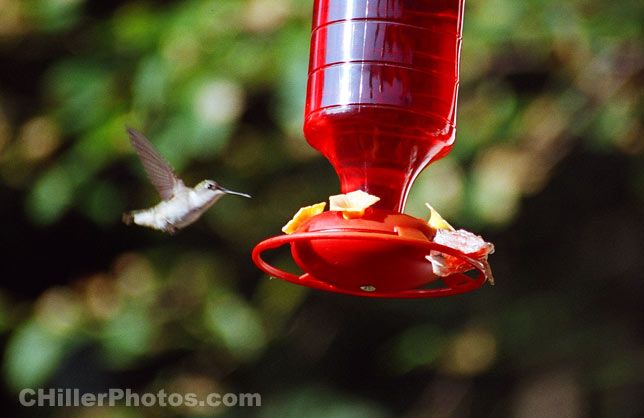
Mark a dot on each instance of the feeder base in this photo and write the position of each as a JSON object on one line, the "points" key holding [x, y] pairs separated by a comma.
{"points": [[382, 254]]}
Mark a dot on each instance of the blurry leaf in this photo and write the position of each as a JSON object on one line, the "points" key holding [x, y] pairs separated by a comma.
{"points": [[551, 393], [266, 15], [102, 412], [212, 18], [136, 278], [484, 118], [470, 352], [278, 301], [83, 91], [236, 324], [314, 401], [171, 141], [417, 346], [476, 58], [293, 55], [492, 20], [192, 275], [32, 355], [615, 20], [103, 203], [136, 27], [182, 53], [215, 107], [196, 29], [150, 84], [51, 196], [615, 118], [216, 101], [529, 324], [442, 185], [52, 15], [58, 310], [97, 148], [55, 191], [249, 59], [127, 336], [39, 138], [229, 217], [616, 372], [497, 183]]}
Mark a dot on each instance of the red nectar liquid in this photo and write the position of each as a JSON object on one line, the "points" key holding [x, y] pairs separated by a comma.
{"points": [[382, 88]]}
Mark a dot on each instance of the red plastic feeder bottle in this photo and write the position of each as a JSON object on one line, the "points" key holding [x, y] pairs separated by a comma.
{"points": [[381, 105]]}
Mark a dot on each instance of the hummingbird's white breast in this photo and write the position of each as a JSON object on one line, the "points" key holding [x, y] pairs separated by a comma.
{"points": [[185, 207]]}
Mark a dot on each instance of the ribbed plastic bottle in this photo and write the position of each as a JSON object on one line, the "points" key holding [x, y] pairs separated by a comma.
{"points": [[382, 89]]}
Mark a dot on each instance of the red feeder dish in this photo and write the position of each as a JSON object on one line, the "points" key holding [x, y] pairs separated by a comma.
{"points": [[381, 105]]}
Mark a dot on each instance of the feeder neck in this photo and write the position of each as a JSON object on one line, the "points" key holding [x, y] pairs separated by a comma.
{"points": [[382, 89]]}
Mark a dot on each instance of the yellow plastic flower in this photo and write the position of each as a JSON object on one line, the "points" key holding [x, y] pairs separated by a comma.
{"points": [[302, 216], [352, 205], [436, 221]]}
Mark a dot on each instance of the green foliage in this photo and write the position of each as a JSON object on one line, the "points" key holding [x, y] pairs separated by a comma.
{"points": [[315, 402], [547, 162], [418, 346], [127, 336], [32, 355], [236, 325]]}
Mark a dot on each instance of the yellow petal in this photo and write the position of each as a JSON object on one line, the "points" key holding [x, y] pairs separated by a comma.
{"points": [[302, 216], [353, 204], [436, 221]]}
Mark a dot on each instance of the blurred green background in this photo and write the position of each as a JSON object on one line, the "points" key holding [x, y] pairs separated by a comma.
{"points": [[548, 165]]}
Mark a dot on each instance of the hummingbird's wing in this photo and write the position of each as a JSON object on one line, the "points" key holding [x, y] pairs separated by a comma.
{"points": [[159, 172]]}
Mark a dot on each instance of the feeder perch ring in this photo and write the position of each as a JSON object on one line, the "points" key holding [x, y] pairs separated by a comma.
{"points": [[453, 284]]}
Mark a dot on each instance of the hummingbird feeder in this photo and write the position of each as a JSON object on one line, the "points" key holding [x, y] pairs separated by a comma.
{"points": [[381, 106]]}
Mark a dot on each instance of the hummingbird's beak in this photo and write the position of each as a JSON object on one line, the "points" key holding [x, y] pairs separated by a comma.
{"points": [[235, 193]]}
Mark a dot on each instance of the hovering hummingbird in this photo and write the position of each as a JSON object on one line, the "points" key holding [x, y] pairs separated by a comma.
{"points": [[181, 205]]}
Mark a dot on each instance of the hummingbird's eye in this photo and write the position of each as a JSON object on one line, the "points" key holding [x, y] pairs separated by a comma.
{"points": [[212, 186]]}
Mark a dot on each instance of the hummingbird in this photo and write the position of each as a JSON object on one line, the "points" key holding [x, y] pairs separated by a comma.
{"points": [[181, 205]]}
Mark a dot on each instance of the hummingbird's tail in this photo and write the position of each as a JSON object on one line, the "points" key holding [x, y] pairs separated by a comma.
{"points": [[128, 218]]}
